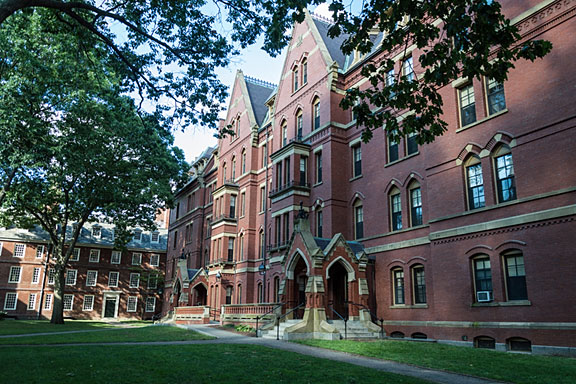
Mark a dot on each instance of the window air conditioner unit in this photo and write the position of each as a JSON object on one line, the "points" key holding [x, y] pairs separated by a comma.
{"points": [[483, 296]]}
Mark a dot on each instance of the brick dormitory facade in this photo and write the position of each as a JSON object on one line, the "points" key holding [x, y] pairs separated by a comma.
{"points": [[100, 281], [467, 240]]}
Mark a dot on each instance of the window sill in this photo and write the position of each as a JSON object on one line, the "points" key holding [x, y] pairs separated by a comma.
{"points": [[402, 159], [355, 178], [317, 184], [482, 121], [511, 303], [414, 306]]}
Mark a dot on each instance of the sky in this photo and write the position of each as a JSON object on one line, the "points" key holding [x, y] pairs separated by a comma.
{"points": [[254, 62]]}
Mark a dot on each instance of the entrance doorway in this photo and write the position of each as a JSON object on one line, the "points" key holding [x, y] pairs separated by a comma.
{"points": [[110, 306], [337, 291], [298, 295], [199, 295]]}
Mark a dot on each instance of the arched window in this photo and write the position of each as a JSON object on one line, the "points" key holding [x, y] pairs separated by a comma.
{"points": [[519, 344], [419, 335], [358, 219], [232, 127], [229, 295], [515, 275], [223, 173], [284, 130], [504, 171], [415, 204], [237, 129], [277, 289], [260, 293], [482, 278], [485, 342], [397, 335], [304, 71], [243, 165], [239, 294], [233, 168], [419, 284], [295, 79], [299, 124], [392, 143], [395, 209], [398, 286], [241, 245], [474, 183], [316, 113], [319, 223]]}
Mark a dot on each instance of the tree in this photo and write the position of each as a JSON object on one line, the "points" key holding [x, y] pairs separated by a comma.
{"points": [[75, 148]]}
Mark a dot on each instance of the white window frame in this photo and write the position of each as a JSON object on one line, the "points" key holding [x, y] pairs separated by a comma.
{"points": [[88, 282], [139, 232], [156, 257], [135, 276], [112, 257], [51, 276], [74, 272], [150, 299], [91, 307], [32, 300], [110, 278], [64, 299], [94, 252], [36, 275], [155, 234], [138, 255], [132, 300], [48, 302], [96, 232], [18, 253], [75, 256], [11, 294], [10, 275], [40, 251], [152, 277]]}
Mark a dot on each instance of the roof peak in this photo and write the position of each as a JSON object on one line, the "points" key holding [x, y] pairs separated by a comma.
{"points": [[321, 18], [259, 82]]}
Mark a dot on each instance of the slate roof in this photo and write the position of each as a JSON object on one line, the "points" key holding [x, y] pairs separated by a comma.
{"points": [[332, 44], [355, 246], [259, 91], [192, 273]]}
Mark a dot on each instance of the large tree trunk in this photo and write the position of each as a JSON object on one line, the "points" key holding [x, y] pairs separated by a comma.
{"points": [[59, 283]]}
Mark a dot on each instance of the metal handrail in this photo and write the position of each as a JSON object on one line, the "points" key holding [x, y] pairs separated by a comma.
{"points": [[343, 319], [278, 318], [381, 320], [267, 313]]}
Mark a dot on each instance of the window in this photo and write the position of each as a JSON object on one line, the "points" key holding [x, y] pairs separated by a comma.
{"points": [[88, 304], [396, 209], [68, 302], [15, 274], [136, 259], [239, 294], [519, 344], [94, 256], [243, 164], [19, 250], [113, 278], [495, 95], [241, 243], [303, 170], [51, 276], [260, 293], [32, 302], [175, 240], [75, 256], [484, 342], [152, 281], [230, 249], [299, 124], [243, 204], [262, 247], [91, 278], [393, 154], [287, 172], [408, 69], [134, 280], [295, 78], [155, 260], [286, 227], [150, 304], [398, 279], [138, 233], [319, 223], [416, 205], [475, 184], [116, 257], [483, 279], [316, 113], [515, 276], [10, 301], [188, 231], [357, 159], [304, 72], [419, 284], [262, 199], [279, 175], [358, 220], [39, 251], [505, 184], [71, 275], [278, 229], [233, 168], [132, 304], [155, 237], [277, 289], [228, 295], [467, 105], [36, 276], [48, 302], [412, 143], [265, 155], [318, 157], [232, 206], [390, 80], [96, 232], [284, 129]]}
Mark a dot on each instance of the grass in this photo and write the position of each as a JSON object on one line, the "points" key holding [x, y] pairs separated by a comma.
{"points": [[190, 364], [511, 367], [21, 327], [157, 333]]}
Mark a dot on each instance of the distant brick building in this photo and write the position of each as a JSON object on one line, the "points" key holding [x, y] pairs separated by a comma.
{"points": [[467, 240], [101, 283]]}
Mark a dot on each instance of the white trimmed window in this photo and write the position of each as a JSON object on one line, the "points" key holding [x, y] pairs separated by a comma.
{"points": [[155, 237], [71, 275], [32, 302], [138, 234], [155, 260], [96, 232], [113, 278], [150, 304], [116, 257], [94, 256], [136, 259], [36, 275], [134, 280], [19, 250], [15, 274], [48, 302], [88, 303], [91, 278], [51, 276], [132, 304], [10, 301], [75, 256], [39, 251], [152, 281], [68, 302]]}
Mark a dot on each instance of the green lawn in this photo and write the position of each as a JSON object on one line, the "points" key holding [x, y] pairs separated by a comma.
{"points": [[511, 367], [197, 364], [20, 327], [155, 333]]}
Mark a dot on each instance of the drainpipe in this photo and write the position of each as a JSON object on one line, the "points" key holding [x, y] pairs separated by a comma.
{"points": [[44, 277], [264, 282]]}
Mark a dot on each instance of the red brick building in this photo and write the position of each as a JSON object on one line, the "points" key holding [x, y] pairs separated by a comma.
{"points": [[101, 282], [466, 240]]}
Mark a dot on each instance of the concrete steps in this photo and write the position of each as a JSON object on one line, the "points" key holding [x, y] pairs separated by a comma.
{"points": [[271, 333], [354, 330]]}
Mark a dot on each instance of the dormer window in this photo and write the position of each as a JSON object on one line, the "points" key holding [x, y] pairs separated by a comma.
{"points": [[155, 237], [137, 235], [96, 232]]}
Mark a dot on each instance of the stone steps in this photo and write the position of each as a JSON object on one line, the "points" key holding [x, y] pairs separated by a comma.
{"points": [[272, 332]]}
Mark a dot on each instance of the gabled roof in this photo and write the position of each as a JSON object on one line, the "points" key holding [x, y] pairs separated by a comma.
{"points": [[332, 44], [259, 91], [327, 244]]}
